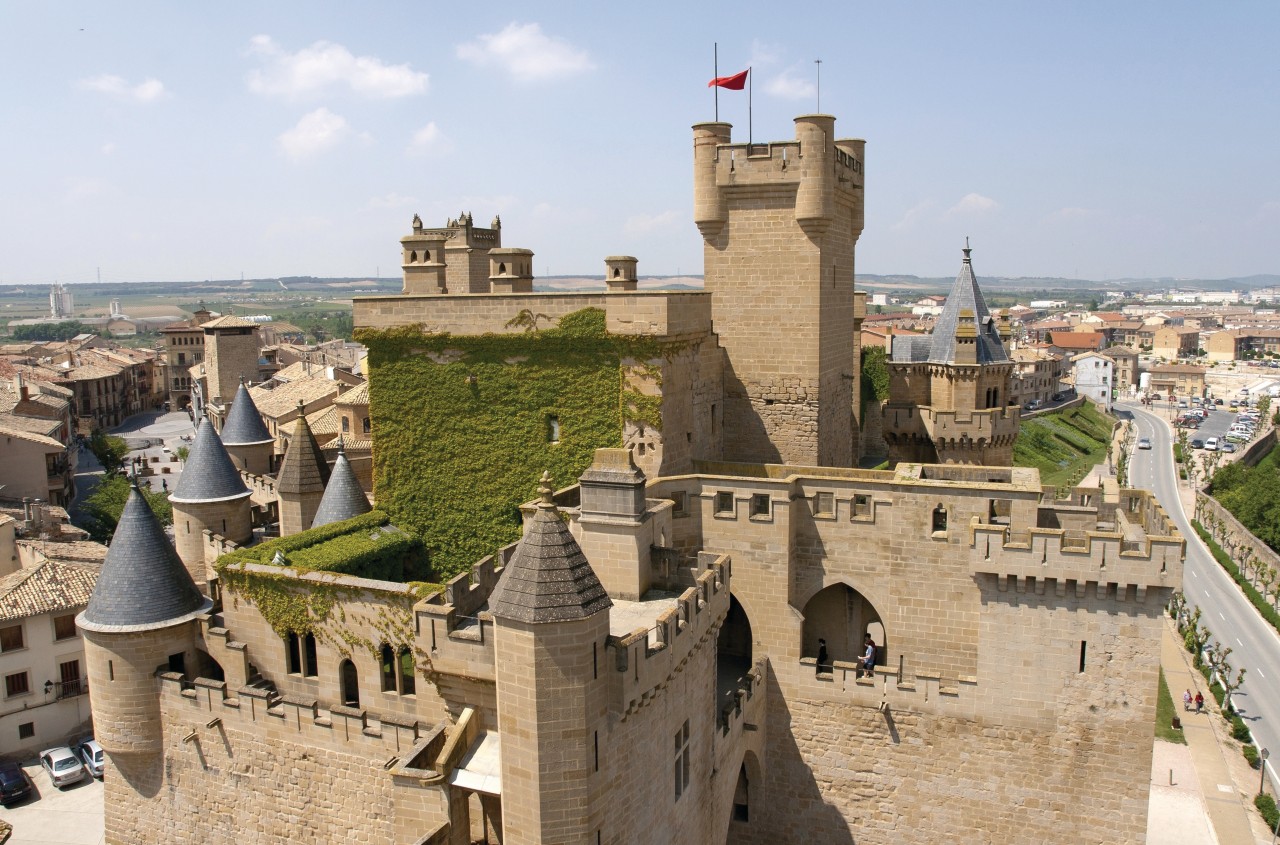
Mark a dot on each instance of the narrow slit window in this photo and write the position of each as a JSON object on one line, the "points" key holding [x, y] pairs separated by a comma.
{"points": [[553, 428], [1084, 648]]}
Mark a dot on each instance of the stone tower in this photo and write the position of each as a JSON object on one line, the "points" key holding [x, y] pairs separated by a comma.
{"points": [[620, 273], [302, 478], [779, 222], [423, 260], [451, 259], [511, 270], [230, 354], [551, 621], [140, 619], [245, 435], [210, 495], [949, 391]]}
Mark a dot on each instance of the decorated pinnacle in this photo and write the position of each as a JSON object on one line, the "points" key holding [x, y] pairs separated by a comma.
{"points": [[545, 490]]}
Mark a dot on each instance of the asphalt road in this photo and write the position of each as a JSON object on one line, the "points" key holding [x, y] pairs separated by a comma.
{"points": [[1225, 611]]}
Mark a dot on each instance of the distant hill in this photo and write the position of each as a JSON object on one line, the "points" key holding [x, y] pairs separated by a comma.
{"points": [[870, 281]]}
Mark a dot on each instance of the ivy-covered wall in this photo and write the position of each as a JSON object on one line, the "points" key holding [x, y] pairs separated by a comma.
{"points": [[463, 425]]}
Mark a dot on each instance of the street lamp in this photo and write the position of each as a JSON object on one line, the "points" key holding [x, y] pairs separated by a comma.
{"points": [[1262, 775]]}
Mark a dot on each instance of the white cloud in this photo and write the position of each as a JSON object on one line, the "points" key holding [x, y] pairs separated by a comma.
{"points": [[790, 85], [147, 91], [323, 66], [392, 200], [641, 223], [915, 214], [764, 53], [429, 140], [315, 133], [108, 148], [528, 54], [973, 204]]}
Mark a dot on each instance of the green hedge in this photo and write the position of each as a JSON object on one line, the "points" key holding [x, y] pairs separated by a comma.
{"points": [[1267, 807], [366, 546], [462, 422]]}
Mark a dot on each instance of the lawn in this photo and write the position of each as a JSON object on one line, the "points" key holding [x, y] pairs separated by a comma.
{"points": [[1165, 711], [1064, 445]]}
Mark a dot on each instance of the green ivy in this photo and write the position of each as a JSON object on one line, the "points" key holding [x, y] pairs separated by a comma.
{"points": [[460, 444]]}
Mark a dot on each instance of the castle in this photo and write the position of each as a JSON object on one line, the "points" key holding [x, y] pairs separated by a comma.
{"points": [[640, 663]]}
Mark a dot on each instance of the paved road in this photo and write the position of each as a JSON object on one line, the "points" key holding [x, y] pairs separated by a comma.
{"points": [[69, 816], [1225, 611]]}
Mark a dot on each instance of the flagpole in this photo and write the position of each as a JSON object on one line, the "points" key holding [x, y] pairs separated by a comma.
{"points": [[715, 74], [818, 87], [750, 85]]}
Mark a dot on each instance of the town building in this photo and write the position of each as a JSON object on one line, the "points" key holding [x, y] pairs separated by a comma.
{"points": [[1094, 377], [1174, 342], [1037, 375], [668, 650], [1184, 380], [1125, 373]]}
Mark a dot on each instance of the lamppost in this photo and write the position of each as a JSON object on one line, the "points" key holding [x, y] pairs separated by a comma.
{"points": [[1262, 774]]}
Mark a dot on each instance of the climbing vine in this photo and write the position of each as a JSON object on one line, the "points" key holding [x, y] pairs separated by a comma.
{"points": [[465, 425]]}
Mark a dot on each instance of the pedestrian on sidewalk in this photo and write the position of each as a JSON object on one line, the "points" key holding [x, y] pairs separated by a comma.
{"points": [[1199, 702], [1186, 700]]}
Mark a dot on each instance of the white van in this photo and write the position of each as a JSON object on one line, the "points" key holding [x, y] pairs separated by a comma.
{"points": [[1211, 445]]}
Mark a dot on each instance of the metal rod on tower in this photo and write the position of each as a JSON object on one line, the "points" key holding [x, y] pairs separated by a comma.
{"points": [[818, 87], [715, 74], [750, 87]]}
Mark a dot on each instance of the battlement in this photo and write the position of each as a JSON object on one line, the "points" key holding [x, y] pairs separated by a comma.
{"points": [[892, 688], [454, 624], [648, 313], [646, 659], [262, 488]]}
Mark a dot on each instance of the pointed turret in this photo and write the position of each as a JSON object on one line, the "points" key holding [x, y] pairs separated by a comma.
{"points": [[551, 622], [302, 478], [210, 495], [343, 498], [245, 435], [965, 307]]}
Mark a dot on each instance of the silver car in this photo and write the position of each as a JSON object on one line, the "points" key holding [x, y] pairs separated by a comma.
{"points": [[62, 765], [91, 754]]}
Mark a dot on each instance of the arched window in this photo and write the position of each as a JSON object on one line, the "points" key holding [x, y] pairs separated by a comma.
{"points": [[310, 666], [364, 424], [408, 685], [616, 272], [388, 665], [741, 807], [293, 651], [346, 425], [502, 268], [843, 617], [350, 681], [939, 518], [413, 257]]}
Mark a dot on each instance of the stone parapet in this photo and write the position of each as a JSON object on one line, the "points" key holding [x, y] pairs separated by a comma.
{"points": [[645, 660]]}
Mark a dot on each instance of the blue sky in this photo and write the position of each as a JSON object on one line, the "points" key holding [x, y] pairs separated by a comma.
{"points": [[190, 141]]}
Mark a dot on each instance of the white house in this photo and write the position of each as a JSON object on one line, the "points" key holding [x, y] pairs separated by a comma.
{"points": [[1094, 377]]}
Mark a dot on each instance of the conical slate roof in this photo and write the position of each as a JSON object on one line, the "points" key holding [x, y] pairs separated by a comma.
{"points": [[209, 475], [548, 578], [304, 469], [143, 583], [343, 497], [966, 296], [244, 426]]}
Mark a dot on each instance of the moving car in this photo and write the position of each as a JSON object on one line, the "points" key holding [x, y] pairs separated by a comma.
{"points": [[91, 753], [14, 783], [1144, 443], [63, 766]]}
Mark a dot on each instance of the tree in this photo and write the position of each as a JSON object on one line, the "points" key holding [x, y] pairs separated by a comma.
{"points": [[181, 453], [109, 450], [1221, 666], [65, 330], [104, 507], [526, 320]]}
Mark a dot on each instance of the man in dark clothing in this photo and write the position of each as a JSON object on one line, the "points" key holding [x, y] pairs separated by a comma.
{"points": [[822, 657]]}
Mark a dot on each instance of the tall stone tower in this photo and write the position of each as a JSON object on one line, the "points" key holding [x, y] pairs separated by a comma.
{"points": [[139, 618], [245, 435], [451, 259], [210, 495], [302, 478], [949, 391], [551, 620], [230, 354], [779, 222]]}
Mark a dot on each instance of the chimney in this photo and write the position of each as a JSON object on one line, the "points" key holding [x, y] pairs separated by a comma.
{"points": [[20, 385]]}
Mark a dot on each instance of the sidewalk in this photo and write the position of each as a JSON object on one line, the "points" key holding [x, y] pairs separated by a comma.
{"points": [[1226, 807]]}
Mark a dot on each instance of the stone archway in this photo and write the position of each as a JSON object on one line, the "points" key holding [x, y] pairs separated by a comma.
{"points": [[842, 616]]}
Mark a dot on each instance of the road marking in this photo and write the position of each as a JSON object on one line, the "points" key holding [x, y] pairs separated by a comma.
{"points": [[1239, 643], [1220, 616], [1259, 671], [1196, 574]]}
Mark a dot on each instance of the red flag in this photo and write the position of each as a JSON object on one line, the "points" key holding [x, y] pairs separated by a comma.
{"points": [[734, 83]]}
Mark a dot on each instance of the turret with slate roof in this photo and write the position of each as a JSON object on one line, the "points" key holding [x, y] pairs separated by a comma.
{"points": [[210, 495], [302, 478], [142, 615], [343, 497], [949, 391], [551, 622], [245, 435]]}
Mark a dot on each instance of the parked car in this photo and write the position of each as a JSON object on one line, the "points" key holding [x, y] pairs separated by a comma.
{"points": [[14, 783], [91, 753], [1227, 446], [1211, 445], [1058, 397], [1197, 443], [1033, 405], [1217, 401], [1155, 397], [1144, 443], [63, 766]]}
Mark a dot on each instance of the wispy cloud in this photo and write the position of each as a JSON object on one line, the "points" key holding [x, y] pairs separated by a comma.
{"points": [[638, 224], [147, 91], [527, 53], [315, 133], [429, 140], [971, 204], [791, 85], [915, 214], [323, 67]]}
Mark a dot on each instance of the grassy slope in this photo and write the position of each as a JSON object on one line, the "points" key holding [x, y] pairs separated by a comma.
{"points": [[1064, 445]]}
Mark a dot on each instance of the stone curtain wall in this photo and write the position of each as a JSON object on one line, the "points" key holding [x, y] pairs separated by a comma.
{"points": [[1231, 534]]}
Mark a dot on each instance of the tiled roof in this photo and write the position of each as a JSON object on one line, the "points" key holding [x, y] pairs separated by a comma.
{"points": [[358, 395], [343, 497], [31, 425], [304, 469], [282, 399], [966, 298], [325, 421], [143, 583], [1077, 340], [228, 321], [209, 475], [8, 430], [1182, 369], [548, 578], [244, 423], [48, 587]]}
